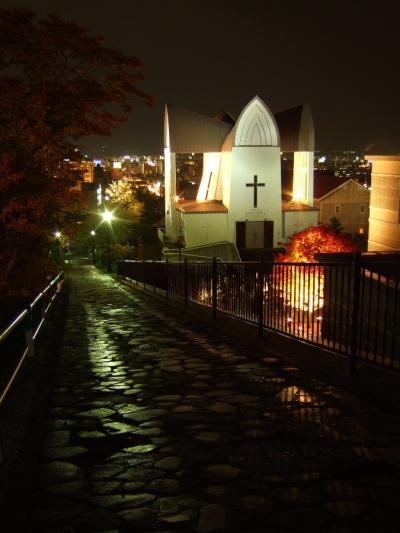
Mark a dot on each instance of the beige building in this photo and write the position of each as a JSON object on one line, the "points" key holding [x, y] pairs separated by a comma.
{"points": [[384, 221], [349, 203]]}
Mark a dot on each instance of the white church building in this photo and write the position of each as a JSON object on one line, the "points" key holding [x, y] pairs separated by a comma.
{"points": [[240, 201]]}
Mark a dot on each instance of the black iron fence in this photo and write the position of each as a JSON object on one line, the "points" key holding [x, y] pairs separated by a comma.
{"points": [[17, 340], [350, 307]]}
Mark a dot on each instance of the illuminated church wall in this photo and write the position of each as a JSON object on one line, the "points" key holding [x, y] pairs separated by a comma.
{"points": [[263, 162], [171, 215], [298, 220], [303, 182], [204, 228], [255, 186]]}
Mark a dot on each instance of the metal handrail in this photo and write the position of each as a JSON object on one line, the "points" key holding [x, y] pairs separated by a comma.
{"points": [[14, 323], [30, 335]]}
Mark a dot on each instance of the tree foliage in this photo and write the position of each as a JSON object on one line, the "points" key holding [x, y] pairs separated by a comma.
{"points": [[57, 85], [123, 197], [336, 225], [305, 245]]}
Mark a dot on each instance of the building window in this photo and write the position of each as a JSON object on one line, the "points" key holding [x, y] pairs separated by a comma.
{"points": [[337, 209], [362, 208]]}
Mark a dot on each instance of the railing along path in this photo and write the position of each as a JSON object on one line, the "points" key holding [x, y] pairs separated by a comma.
{"points": [[349, 307], [17, 339]]}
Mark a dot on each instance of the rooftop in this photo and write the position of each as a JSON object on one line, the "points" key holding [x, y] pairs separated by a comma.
{"points": [[288, 204], [195, 206]]}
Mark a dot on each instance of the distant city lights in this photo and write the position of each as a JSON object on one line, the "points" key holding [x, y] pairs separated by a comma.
{"points": [[155, 188]]}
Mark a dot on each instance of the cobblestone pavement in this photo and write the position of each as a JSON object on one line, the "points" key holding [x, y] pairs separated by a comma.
{"points": [[158, 425]]}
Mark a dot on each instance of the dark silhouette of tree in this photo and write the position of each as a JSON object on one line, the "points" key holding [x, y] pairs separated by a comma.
{"points": [[57, 85], [336, 225]]}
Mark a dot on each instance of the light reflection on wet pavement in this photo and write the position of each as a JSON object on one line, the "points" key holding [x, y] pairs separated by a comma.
{"points": [[161, 425]]}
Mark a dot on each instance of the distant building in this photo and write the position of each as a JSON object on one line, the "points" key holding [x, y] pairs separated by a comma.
{"points": [[348, 202], [384, 221], [85, 171]]}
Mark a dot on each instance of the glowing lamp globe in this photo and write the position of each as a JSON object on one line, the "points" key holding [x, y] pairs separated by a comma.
{"points": [[107, 216]]}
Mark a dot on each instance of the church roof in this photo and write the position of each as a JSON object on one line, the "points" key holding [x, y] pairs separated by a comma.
{"points": [[296, 128], [225, 116], [342, 184], [187, 131], [290, 205], [207, 206], [215, 206], [256, 126]]}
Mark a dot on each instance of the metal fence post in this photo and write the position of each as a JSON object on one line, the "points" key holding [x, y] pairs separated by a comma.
{"points": [[261, 300], [355, 322], [214, 287], [166, 279], [185, 277]]}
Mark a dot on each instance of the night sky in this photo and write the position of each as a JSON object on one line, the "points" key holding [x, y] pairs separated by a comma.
{"points": [[341, 57]]}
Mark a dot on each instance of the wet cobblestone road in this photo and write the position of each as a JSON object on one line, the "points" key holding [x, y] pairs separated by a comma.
{"points": [[158, 425]]}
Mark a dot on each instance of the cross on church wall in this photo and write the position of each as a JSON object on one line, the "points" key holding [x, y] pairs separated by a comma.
{"points": [[255, 185]]}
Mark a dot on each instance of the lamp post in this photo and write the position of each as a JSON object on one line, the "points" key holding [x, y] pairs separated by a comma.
{"points": [[57, 251], [107, 217], [93, 234]]}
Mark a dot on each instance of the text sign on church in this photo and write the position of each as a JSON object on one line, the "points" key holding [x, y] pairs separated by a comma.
{"points": [[255, 212]]}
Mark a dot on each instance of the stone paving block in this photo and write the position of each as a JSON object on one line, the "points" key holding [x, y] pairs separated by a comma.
{"points": [[56, 471]]}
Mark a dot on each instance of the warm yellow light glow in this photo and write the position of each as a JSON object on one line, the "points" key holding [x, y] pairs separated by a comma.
{"points": [[107, 216], [57, 234], [297, 195], [155, 188], [176, 198], [302, 288], [93, 232]]}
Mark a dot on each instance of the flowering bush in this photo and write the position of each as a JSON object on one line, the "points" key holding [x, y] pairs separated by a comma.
{"points": [[305, 245]]}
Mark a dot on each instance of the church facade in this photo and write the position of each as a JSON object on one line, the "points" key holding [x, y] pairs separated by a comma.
{"points": [[240, 198]]}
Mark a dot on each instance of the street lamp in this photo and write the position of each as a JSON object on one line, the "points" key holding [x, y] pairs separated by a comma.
{"points": [[93, 234], [107, 217]]}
